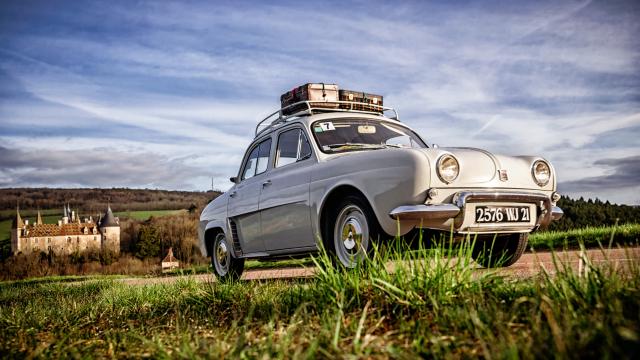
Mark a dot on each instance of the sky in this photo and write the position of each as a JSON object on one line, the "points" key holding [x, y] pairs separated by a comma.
{"points": [[160, 94]]}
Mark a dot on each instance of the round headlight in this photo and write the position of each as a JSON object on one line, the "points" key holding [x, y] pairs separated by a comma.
{"points": [[541, 172], [448, 168]]}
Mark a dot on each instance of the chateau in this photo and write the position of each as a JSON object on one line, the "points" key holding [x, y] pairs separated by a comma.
{"points": [[69, 235]]}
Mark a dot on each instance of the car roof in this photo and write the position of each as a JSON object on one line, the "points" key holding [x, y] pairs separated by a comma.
{"points": [[307, 120]]}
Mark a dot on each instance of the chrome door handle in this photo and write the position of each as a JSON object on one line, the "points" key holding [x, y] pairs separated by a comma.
{"points": [[232, 194], [266, 183]]}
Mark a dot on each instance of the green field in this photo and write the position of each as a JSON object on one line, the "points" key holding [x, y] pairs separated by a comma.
{"points": [[628, 234], [434, 308]]}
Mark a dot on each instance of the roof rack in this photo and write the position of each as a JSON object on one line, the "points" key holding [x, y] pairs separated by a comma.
{"points": [[278, 117]]}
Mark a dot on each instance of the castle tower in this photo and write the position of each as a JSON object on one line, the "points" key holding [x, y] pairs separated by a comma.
{"points": [[16, 231], [109, 227], [65, 215], [39, 220]]}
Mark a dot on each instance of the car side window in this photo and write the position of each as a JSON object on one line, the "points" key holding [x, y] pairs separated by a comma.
{"points": [[263, 156], [292, 146], [250, 166], [257, 160]]}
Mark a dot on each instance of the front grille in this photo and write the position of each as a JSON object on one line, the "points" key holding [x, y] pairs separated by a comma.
{"points": [[234, 237]]}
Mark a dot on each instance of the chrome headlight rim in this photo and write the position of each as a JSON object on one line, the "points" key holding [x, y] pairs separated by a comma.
{"points": [[535, 174], [441, 160]]}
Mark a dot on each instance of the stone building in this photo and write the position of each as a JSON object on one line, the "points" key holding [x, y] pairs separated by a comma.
{"points": [[69, 235]]}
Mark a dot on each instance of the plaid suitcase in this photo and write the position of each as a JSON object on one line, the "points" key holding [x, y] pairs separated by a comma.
{"points": [[360, 97], [320, 92]]}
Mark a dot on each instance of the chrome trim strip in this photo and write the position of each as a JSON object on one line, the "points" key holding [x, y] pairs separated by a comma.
{"points": [[495, 229], [463, 197], [418, 212]]}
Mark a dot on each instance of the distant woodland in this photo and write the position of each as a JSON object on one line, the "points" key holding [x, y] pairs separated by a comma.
{"points": [[96, 200], [581, 213]]}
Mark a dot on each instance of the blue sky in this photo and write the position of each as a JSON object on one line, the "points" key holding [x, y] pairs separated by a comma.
{"points": [[166, 94]]}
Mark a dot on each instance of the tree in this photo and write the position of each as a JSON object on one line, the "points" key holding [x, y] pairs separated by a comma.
{"points": [[148, 244]]}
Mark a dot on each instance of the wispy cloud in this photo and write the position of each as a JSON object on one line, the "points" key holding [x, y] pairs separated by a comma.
{"points": [[544, 78], [104, 167]]}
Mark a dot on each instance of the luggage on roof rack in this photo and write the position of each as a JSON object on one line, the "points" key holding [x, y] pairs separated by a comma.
{"points": [[362, 100], [320, 94]]}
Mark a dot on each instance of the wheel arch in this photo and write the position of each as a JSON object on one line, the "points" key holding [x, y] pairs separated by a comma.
{"points": [[333, 197], [209, 237]]}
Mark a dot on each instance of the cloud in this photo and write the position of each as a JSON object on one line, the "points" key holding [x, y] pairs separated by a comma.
{"points": [[96, 167], [621, 173]]}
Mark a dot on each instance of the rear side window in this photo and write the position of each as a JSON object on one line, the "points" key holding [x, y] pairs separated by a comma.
{"points": [[292, 147], [257, 160]]}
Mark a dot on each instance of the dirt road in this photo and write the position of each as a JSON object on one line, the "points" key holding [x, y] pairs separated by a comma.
{"points": [[529, 264]]}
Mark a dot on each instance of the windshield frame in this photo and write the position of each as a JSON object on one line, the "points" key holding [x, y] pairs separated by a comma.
{"points": [[387, 122]]}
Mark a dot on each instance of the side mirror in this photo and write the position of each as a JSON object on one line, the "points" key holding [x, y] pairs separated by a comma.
{"points": [[234, 179], [435, 146]]}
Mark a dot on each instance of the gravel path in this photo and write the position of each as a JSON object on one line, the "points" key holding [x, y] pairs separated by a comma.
{"points": [[529, 264]]}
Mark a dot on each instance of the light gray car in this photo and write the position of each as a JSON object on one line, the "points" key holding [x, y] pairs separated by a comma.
{"points": [[346, 178]]}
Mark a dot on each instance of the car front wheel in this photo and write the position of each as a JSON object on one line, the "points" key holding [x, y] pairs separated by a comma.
{"points": [[499, 251], [225, 266], [350, 230]]}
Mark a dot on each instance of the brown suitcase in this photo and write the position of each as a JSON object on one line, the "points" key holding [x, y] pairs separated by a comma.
{"points": [[320, 92], [364, 100]]}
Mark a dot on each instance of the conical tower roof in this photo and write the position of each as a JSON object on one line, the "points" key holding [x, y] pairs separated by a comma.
{"points": [[39, 219], [17, 221], [108, 220]]}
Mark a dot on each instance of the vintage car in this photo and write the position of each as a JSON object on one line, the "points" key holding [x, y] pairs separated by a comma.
{"points": [[344, 178]]}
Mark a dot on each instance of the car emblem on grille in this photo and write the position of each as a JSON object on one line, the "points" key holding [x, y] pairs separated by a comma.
{"points": [[503, 175]]}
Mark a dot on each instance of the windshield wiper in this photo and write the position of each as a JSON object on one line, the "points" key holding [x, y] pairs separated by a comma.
{"points": [[353, 145]]}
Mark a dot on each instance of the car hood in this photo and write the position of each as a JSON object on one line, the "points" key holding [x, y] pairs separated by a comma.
{"points": [[480, 168]]}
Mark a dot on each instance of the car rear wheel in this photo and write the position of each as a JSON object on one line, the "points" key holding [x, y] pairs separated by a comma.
{"points": [[500, 250], [225, 266], [350, 230]]}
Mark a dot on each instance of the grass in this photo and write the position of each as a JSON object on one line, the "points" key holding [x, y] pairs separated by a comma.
{"points": [[145, 215], [249, 265], [590, 237], [429, 306]]}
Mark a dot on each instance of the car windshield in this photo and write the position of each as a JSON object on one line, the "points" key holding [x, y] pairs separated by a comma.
{"points": [[362, 134]]}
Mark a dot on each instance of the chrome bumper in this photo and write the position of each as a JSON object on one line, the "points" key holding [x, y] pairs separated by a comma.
{"points": [[423, 212]]}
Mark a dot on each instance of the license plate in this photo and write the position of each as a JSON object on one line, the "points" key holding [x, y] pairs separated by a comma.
{"points": [[502, 214]]}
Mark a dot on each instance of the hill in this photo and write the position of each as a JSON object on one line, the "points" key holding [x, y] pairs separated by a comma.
{"points": [[94, 200]]}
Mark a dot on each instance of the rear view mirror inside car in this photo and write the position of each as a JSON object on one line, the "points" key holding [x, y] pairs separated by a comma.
{"points": [[366, 129]]}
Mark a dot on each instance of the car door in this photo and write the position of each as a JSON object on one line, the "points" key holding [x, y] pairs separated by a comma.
{"points": [[284, 203], [244, 198]]}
